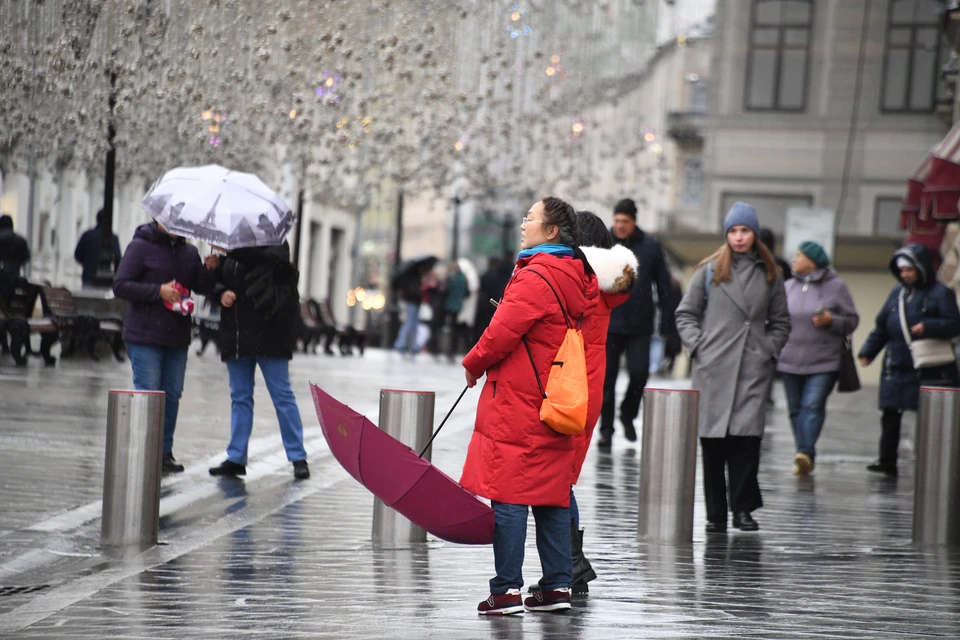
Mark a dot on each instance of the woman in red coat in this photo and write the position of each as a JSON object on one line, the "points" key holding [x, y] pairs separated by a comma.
{"points": [[514, 458]]}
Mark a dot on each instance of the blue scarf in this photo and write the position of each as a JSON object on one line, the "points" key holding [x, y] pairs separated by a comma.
{"points": [[552, 249]]}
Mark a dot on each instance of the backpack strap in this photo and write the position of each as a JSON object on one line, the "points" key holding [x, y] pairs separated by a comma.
{"points": [[566, 318], [706, 283]]}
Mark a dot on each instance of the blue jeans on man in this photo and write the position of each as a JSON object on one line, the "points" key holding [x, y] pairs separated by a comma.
{"points": [[807, 402], [553, 544], [276, 373], [160, 369], [407, 338]]}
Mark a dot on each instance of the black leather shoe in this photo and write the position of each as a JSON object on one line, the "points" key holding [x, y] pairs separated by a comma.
{"points": [[745, 522], [606, 440], [228, 468], [300, 470], [628, 431], [170, 464], [886, 469], [716, 527]]}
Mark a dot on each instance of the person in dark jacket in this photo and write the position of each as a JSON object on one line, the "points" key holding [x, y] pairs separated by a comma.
{"points": [[87, 252], [409, 288], [770, 242], [260, 309], [157, 337], [14, 253], [631, 324], [931, 313], [492, 284]]}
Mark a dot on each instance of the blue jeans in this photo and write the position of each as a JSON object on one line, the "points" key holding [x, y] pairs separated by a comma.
{"points": [[807, 403], [553, 544], [160, 369], [407, 338], [276, 373]]}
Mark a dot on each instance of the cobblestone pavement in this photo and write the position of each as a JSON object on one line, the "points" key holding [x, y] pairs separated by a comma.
{"points": [[271, 557]]}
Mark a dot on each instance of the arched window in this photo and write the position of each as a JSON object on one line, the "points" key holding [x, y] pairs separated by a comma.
{"points": [[911, 57], [778, 57]]}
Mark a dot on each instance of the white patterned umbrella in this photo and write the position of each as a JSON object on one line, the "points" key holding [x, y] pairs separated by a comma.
{"points": [[228, 209]]}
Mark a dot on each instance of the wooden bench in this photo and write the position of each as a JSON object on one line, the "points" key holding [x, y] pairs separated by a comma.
{"points": [[312, 328], [80, 329], [17, 321], [348, 337]]}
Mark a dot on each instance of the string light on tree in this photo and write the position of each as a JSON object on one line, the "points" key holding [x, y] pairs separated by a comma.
{"points": [[515, 25], [214, 121]]}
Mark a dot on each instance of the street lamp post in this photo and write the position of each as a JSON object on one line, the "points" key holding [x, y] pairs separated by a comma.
{"points": [[104, 277], [455, 248]]}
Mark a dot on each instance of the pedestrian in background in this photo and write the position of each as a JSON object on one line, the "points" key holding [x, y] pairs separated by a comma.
{"points": [[770, 242], [492, 283], [88, 251], [631, 324], [920, 312], [14, 253], [457, 291], [152, 276], [822, 317], [408, 288], [514, 458], [260, 306], [734, 321]]}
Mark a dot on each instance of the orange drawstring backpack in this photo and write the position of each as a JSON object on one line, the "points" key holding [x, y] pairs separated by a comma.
{"points": [[564, 406]]}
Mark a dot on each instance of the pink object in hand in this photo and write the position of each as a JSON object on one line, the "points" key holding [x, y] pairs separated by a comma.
{"points": [[185, 306]]}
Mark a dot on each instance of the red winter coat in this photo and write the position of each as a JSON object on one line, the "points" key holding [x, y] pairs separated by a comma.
{"points": [[616, 271], [513, 456]]}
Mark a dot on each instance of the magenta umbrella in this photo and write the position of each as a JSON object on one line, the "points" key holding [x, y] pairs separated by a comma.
{"points": [[393, 472]]}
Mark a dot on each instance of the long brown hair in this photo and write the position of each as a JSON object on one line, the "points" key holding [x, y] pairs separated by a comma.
{"points": [[722, 272]]}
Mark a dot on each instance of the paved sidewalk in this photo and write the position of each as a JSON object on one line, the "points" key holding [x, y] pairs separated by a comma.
{"points": [[271, 557]]}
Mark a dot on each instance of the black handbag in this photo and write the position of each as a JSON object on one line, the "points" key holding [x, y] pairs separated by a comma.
{"points": [[847, 379]]}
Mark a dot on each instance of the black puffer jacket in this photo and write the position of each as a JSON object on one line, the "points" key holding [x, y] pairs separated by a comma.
{"points": [[263, 320]]}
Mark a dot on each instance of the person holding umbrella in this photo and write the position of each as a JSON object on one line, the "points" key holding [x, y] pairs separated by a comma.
{"points": [[155, 274], [515, 459], [260, 306]]}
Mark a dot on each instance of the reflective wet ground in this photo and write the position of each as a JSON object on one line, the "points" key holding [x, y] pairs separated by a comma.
{"points": [[271, 557]]}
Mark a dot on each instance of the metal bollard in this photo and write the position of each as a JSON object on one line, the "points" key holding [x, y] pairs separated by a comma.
{"points": [[408, 417], [936, 492], [668, 470], [131, 472]]}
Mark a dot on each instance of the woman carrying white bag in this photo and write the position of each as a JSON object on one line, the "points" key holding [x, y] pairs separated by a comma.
{"points": [[916, 325]]}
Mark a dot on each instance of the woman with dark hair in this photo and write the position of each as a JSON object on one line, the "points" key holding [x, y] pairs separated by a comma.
{"points": [[918, 310], [734, 322], [514, 458]]}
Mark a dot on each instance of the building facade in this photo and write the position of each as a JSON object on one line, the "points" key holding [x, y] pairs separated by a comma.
{"points": [[823, 103]]}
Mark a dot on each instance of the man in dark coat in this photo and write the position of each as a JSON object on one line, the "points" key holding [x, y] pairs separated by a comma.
{"points": [[492, 284], [631, 324], [931, 312], [770, 241], [88, 249], [260, 311]]}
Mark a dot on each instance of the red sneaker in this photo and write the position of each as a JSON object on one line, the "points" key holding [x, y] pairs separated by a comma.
{"points": [[556, 600], [501, 605]]}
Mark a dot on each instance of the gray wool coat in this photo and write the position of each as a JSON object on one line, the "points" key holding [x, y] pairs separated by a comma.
{"points": [[734, 338]]}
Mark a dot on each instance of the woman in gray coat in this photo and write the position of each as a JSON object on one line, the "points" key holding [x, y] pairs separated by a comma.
{"points": [[734, 322]]}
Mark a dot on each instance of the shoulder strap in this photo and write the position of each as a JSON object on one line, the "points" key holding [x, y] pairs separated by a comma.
{"points": [[566, 318], [903, 318], [706, 282], [533, 364]]}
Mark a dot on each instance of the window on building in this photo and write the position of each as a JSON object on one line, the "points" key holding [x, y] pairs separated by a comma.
{"points": [[911, 56], [771, 208], [886, 216], [692, 188], [778, 58]]}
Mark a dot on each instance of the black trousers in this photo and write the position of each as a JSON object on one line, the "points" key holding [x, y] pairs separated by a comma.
{"points": [[740, 457], [638, 366], [890, 421]]}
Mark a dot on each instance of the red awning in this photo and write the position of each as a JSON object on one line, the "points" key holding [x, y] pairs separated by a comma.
{"points": [[941, 189]]}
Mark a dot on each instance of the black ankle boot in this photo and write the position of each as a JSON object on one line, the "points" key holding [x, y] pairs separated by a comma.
{"points": [[582, 570]]}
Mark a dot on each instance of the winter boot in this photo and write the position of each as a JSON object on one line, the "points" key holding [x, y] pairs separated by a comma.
{"points": [[582, 570]]}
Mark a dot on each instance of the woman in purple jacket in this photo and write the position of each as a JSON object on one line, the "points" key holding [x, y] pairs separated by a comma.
{"points": [[822, 315], [156, 337]]}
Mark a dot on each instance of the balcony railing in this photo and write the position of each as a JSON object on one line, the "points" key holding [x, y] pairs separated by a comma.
{"points": [[686, 127]]}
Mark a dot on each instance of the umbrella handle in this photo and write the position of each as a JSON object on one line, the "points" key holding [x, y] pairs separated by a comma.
{"points": [[429, 442]]}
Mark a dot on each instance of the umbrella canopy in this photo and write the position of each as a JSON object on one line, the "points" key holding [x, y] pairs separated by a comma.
{"points": [[941, 189], [409, 266], [393, 472], [226, 208]]}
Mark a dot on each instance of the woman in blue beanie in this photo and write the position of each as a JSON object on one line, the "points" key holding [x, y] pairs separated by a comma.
{"points": [[734, 321]]}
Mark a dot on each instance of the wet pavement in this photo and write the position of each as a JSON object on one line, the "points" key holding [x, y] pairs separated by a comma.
{"points": [[272, 556]]}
